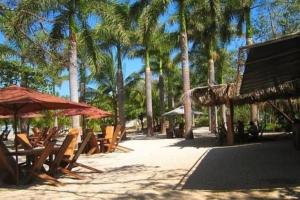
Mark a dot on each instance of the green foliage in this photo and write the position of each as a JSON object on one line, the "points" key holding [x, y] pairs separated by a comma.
{"points": [[35, 50], [277, 18], [201, 121], [242, 113]]}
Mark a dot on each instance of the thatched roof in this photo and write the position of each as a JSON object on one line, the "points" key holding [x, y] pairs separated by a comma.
{"points": [[219, 94], [287, 90], [272, 63], [213, 95], [272, 71]]}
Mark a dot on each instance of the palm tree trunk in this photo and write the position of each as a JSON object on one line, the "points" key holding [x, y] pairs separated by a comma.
{"points": [[120, 90], [171, 103], [73, 73], [55, 113], [185, 71], [148, 95], [23, 83], [213, 109], [83, 91], [223, 107], [115, 107], [161, 98]]}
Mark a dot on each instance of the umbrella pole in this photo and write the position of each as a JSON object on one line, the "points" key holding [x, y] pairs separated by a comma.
{"points": [[16, 146]]}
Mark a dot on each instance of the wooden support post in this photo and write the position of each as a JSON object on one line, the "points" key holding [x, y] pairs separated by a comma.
{"points": [[291, 121], [229, 116]]}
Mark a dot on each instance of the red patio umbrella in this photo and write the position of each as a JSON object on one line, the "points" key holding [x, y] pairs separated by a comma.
{"points": [[89, 111], [15, 100], [98, 116], [23, 115]]}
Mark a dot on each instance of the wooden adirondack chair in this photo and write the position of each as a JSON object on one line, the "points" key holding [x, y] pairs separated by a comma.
{"points": [[52, 134], [114, 144], [55, 166], [118, 140], [72, 161], [23, 140], [7, 164], [92, 146], [109, 132], [110, 145], [37, 136], [71, 147], [36, 169]]}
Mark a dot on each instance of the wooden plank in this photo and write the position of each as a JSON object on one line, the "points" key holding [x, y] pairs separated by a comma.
{"points": [[229, 116]]}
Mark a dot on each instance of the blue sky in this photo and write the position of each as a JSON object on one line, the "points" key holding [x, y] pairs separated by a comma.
{"points": [[133, 65], [129, 66]]}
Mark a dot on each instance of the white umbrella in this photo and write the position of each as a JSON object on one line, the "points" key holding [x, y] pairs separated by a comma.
{"points": [[180, 111]]}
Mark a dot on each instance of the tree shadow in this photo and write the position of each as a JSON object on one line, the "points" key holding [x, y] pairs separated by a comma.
{"points": [[199, 142], [252, 166]]}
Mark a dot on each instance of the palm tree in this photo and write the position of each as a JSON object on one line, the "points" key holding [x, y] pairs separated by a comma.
{"points": [[135, 93], [183, 41], [107, 82], [162, 46], [31, 15], [241, 10], [116, 32], [147, 14], [210, 28]]}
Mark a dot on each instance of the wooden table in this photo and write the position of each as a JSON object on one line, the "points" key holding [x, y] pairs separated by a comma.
{"points": [[33, 152]]}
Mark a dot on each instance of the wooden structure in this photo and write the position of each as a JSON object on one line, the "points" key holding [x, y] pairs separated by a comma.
{"points": [[271, 71], [36, 171], [72, 156], [7, 164]]}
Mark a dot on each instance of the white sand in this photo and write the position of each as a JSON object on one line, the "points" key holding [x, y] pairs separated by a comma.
{"points": [[156, 169]]}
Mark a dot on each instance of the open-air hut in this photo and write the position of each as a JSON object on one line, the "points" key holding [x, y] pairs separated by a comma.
{"points": [[271, 71]]}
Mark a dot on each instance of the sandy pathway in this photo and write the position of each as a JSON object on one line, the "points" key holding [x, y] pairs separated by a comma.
{"points": [[156, 169]]}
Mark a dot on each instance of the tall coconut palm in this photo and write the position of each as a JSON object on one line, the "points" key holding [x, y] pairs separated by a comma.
{"points": [[116, 32], [162, 47], [208, 30], [65, 17], [106, 79], [183, 41], [135, 93], [147, 14], [241, 10]]}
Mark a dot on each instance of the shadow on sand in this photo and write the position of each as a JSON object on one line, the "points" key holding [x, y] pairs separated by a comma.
{"points": [[197, 142], [266, 165]]}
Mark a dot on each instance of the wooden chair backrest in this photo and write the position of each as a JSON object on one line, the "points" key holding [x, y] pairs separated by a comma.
{"points": [[38, 163], [120, 136], [7, 163], [48, 134], [71, 148], [93, 146], [61, 152], [52, 133], [24, 141], [44, 133], [36, 132], [80, 150], [109, 132], [117, 132]]}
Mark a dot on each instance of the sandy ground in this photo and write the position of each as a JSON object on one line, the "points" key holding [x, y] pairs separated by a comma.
{"points": [[179, 169]]}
